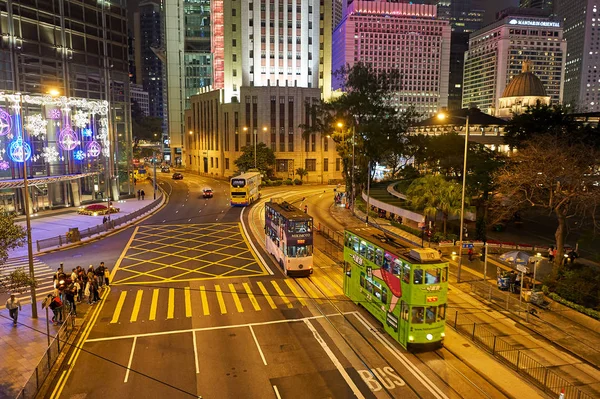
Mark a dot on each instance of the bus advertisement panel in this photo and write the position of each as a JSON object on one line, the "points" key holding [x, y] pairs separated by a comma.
{"points": [[405, 289], [245, 188], [289, 237]]}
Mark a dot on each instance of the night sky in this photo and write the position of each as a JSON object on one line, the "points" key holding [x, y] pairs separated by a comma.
{"points": [[492, 6]]}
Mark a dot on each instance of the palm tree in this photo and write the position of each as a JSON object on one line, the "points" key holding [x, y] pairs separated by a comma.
{"points": [[450, 201], [301, 172], [425, 193]]}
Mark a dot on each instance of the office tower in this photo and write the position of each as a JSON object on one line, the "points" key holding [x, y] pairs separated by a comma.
{"points": [[497, 52], [140, 97], [405, 37], [581, 21], [547, 5]]}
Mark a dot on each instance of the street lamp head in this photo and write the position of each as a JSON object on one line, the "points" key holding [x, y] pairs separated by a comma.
{"points": [[441, 116], [245, 129], [264, 129], [54, 92], [340, 124], [191, 132]]}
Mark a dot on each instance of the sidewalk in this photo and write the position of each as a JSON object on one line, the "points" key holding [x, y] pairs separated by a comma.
{"points": [[557, 326]]}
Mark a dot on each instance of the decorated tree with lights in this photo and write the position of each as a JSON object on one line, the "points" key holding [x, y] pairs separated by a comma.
{"points": [[11, 236]]}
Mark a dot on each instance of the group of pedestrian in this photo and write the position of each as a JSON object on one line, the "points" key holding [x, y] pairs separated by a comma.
{"points": [[140, 194]]}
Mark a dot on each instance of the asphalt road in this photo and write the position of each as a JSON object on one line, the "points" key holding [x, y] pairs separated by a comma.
{"points": [[196, 310]]}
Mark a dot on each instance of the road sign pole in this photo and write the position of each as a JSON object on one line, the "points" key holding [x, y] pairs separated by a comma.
{"points": [[485, 248]]}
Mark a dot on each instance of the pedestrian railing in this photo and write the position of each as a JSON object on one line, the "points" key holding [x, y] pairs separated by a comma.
{"points": [[42, 370], [61, 240], [499, 346]]}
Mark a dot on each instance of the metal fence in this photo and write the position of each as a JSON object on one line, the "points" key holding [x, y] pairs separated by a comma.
{"points": [[503, 299], [543, 376], [42, 370], [61, 240]]}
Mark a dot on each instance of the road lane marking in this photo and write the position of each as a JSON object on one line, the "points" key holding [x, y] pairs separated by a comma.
{"points": [[304, 283], [188, 302], [119, 307], [220, 299], [276, 392], [281, 294], [236, 299], [262, 356], [336, 287], [136, 306], [196, 353], [295, 292], [122, 256], [154, 304], [266, 295], [204, 299], [255, 252], [334, 360], [251, 297], [130, 359], [171, 308], [322, 287]]}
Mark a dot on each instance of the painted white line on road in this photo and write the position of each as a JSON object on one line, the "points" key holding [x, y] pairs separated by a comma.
{"points": [[164, 220], [262, 356], [431, 387], [130, 359], [252, 244], [196, 354], [276, 392], [189, 220], [262, 323], [334, 359]]}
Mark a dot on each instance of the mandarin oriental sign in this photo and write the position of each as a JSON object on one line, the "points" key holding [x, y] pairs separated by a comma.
{"points": [[525, 22]]}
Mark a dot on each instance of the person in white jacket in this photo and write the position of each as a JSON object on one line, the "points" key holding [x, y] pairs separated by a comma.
{"points": [[13, 305]]}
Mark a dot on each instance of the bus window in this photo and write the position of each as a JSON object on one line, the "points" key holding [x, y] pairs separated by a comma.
{"points": [[362, 279], [444, 274], [379, 257], [406, 274], [396, 267], [442, 312], [355, 245], [384, 295], [430, 315], [432, 276], [362, 250], [404, 311], [370, 253], [418, 279], [417, 315]]}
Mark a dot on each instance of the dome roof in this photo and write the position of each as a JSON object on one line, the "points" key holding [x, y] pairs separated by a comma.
{"points": [[525, 84]]}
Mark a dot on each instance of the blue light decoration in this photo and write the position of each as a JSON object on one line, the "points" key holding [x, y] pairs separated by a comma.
{"points": [[5, 122], [79, 155], [19, 150], [93, 149], [87, 132]]}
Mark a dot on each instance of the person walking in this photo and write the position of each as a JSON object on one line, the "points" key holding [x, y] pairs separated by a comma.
{"points": [[139, 194], [551, 253], [13, 305], [143, 194], [106, 274], [470, 253], [100, 275], [56, 306], [70, 293]]}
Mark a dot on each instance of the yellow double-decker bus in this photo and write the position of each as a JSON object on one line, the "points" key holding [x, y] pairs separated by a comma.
{"points": [[245, 188]]}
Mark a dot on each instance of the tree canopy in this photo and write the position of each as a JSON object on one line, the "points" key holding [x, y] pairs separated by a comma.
{"points": [[265, 158], [11, 236]]}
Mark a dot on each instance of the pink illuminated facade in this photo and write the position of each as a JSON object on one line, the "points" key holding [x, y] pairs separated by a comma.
{"points": [[218, 43], [398, 36]]}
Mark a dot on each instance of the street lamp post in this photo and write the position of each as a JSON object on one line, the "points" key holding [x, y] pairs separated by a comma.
{"points": [[255, 140], [464, 184]]}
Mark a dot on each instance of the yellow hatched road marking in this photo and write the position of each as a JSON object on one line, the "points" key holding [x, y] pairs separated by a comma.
{"points": [[119, 307], [298, 295], [220, 299], [154, 304], [171, 308], [281, 294], [188, 302], [236, 299], [306, 285], [251, 297], [136, 306], [338, 279], [266, 295], [205, 308], [333, 284], [322, 287]]}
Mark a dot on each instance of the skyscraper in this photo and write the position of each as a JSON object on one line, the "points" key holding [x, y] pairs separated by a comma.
{"points": [[581, 23], [399, 36], [547, 5], [497, 52]]}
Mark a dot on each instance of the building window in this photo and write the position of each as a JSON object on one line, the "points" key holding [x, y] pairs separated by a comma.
{"points": [[217, 162], [282, 165], [311, 165], [233, 43], [234, 27], [338, 164], [326, 144], [234, 57], [234, 72], [227, 163], [233, 12], [325, 164]]}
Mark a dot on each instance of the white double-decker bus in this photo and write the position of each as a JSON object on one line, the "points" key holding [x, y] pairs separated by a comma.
{"points": [[289, 237]]}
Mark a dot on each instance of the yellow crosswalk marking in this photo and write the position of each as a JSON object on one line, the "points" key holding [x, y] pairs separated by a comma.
{"points": [[337, 278], [306, 285], [154, 304], [119, 307], [251, 297], [205, 309], [336, 288], [220, 299], [171, 308], [322, 287], [236, 298], [188, 302], [136, 306], [266, 295], [296, 293], [281, 294]]}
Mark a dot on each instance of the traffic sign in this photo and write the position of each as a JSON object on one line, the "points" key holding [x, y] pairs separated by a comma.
{"points": [[523, 269], [467, 245]]}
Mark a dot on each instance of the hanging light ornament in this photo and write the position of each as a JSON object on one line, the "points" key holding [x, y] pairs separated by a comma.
{"points": [[93, 149], [5, 122], [87, 133], [36, 125], [19, 150], [67, 139], [81, 119], [55, 113], [79, 155], [50, 154], [4, 165]]}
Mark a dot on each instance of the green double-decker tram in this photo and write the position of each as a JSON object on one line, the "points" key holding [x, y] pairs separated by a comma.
{"points": [[405, 289]]}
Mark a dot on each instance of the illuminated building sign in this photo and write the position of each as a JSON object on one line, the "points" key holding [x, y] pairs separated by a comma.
{"points": [[525, 22]]}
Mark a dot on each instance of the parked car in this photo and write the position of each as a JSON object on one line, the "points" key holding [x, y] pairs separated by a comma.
{"points": [[165, 169], [207, 192], [177, 176]]}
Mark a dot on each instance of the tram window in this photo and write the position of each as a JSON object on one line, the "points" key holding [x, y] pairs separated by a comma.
{"points": [[300, 226], [406, 274], [362, 250], [378, 257], [418, 278], [442, 312], [362, 279], [377, 291], [355, 244], [348, 269], [432, 276], [404, 311], [370, 253], [430, 315], [348, 241], [444, 274], [417, 315], [396, 267], [384, 295], [369, 286], [387, 261]]}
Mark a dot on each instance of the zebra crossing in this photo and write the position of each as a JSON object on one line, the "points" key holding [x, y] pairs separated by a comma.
{"points": [[43, 274], [205, 299]]}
